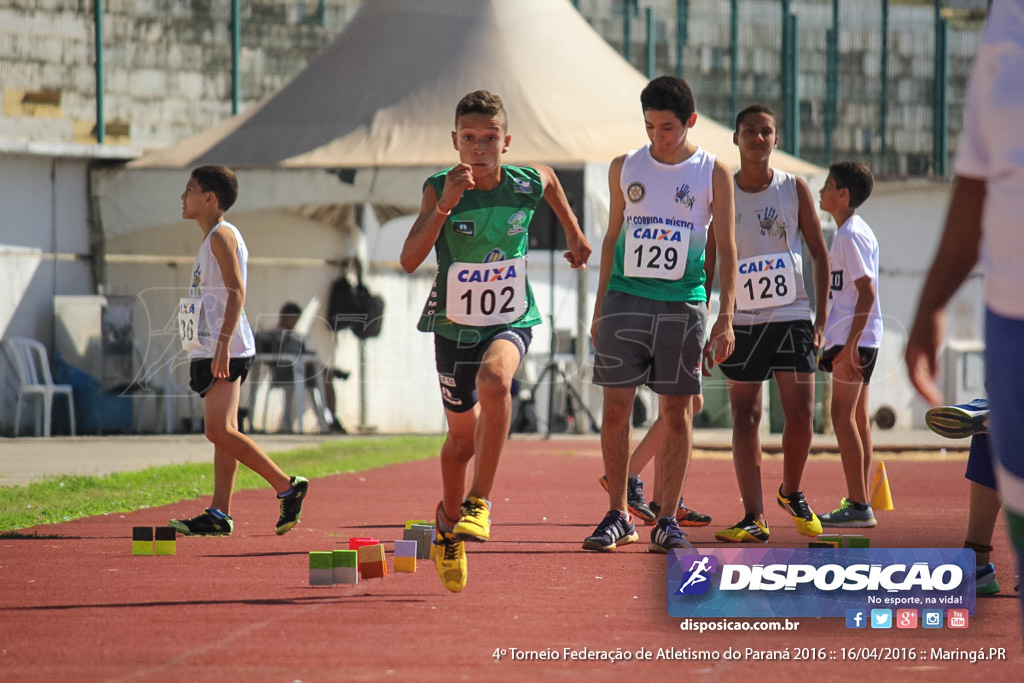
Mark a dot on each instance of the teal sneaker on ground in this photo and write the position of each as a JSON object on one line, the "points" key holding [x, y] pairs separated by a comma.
{"points": [[985, 580]]}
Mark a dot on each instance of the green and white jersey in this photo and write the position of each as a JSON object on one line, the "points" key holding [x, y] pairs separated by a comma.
{"points": [[660, 251], [481, 285]]}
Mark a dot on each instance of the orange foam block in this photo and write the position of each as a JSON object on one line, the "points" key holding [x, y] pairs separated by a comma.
{"points": [[372, 563], [405, 556], [357, 543]]}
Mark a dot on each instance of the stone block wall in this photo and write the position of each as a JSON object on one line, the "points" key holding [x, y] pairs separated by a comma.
{"points": [[168, 66]]}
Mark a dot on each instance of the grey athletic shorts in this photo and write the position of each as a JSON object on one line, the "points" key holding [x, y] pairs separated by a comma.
{"points": [[657, 343]]}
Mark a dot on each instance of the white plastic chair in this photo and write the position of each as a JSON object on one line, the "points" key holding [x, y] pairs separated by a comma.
{"points": [[33, 379]]}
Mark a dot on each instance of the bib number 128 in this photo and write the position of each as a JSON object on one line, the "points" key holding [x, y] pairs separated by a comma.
{"points": [[769, 289]]}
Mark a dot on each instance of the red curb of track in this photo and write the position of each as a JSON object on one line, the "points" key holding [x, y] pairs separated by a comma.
{"points": [[81, 607]]}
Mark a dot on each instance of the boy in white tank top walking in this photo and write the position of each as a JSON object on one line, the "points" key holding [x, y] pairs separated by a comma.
{"points": [[216, 334]]}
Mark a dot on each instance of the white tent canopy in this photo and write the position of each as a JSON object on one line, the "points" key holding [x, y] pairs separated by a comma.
{"points": [[383, 93]]}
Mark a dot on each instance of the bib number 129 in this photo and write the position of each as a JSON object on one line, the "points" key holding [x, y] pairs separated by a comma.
{"points": [[657, 257]]}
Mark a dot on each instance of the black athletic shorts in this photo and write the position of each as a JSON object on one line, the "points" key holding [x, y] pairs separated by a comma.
{"points": [[201, 373], [458, 362], [868, 356], [766, 348]]}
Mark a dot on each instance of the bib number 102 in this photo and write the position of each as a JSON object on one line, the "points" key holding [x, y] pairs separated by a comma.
{"points": [[488, 301]]}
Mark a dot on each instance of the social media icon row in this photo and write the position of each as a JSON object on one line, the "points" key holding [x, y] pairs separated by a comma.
{"points": [[905, 618]]}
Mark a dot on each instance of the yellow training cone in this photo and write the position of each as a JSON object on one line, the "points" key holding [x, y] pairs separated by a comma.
{"points": [[881, 496]]}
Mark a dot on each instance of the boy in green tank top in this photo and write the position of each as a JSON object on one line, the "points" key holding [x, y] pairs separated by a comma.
{"points": [[476, 216]]}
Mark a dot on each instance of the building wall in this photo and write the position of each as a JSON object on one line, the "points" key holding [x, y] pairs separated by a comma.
{"points": [[168, 66], [44, 240]]}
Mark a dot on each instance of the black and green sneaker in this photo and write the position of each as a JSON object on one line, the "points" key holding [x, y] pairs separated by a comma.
{"points": [[205, 524], [291, 505], [684, 515]]}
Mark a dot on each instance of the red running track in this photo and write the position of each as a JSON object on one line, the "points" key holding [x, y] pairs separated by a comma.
{"points": [[80, 607]]}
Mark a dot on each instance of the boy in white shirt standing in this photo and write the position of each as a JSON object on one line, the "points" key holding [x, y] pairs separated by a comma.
{"points": [[853, 333]]}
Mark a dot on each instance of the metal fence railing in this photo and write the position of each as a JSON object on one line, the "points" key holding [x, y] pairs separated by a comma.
{"points": [[880, 81]]}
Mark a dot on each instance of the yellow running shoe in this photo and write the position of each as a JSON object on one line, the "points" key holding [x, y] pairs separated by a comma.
{"points": [[747, 530], [448, 554], [475, 522], [450, 561], [807, 523]]}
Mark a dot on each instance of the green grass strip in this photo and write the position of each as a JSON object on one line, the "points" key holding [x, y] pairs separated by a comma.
{"points": [[61, 499]]}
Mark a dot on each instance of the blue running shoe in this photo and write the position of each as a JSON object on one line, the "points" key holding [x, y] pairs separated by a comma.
{"points": [[667, 535], [635, 499], [613, 531], [960, 421]]}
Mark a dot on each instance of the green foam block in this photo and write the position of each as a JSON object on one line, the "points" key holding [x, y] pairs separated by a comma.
{"points": [[857, 541], [320, 560], [345, 558]]}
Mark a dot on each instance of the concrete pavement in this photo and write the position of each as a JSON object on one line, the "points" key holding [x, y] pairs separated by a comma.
{"points": [[26, 459]]}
